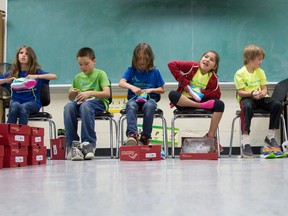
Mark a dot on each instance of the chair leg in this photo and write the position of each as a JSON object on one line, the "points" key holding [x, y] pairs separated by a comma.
{"points": [[165, 139], [231, 135], [116, 138], [284, 127], [173, 137]]}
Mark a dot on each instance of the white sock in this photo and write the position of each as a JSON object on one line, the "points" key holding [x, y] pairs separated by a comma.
{"points": [[271, 134], [245, 139]]}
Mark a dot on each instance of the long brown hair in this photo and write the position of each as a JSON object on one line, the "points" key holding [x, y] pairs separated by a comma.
{"points": [[148, 54], [32, 66]]}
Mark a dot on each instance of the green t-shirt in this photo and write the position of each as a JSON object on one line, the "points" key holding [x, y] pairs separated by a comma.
{"points": [[249, 81], [94, 81]]}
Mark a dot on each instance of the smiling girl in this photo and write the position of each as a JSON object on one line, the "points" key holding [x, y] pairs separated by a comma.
{"points": [[198, 87]]}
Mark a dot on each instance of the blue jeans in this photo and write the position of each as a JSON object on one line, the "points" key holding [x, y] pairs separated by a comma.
{"points": [[148, 109], [21, 111], [86, 111]]}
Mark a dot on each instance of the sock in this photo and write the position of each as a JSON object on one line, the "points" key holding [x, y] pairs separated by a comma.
{"points": [[245, 139], [207, 105], [271, 134]]}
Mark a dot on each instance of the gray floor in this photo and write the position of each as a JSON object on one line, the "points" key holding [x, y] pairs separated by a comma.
{"points": [[229, 186]]}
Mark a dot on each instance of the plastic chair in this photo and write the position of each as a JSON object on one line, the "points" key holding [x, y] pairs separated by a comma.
{"points": [[191, 113], [107, 116], [158, 114], [280, 94]]}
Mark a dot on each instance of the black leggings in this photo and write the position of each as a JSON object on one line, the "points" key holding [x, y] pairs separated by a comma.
{"points": [[174, 97]]}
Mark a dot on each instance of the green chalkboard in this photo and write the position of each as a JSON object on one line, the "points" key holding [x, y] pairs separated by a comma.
{"points": [[176, 29]]}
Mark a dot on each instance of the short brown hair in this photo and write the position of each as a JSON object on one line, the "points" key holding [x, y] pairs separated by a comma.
{"points": [[86, 51], [251, 52]]}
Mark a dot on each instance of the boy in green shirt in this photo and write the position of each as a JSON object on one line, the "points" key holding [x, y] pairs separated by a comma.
{"points": [[251, 85], [88, 96]]}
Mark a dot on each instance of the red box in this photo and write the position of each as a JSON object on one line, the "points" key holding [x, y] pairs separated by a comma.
{"points": [[15, 150], [1, 156], [198, 156], [37, 136], [36, 156], [13, 134], [14, 161], [140, 153], [58, 148]]}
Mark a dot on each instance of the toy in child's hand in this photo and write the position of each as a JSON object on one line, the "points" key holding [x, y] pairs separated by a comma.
{"points": [[23, 83], [142, 98], [195, 92]]}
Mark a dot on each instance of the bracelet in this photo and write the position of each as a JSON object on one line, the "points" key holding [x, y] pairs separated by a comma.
{"points": [[252, 93]]}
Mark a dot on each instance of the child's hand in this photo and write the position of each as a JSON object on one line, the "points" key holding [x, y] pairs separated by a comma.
{"points": [[10, 80], [148, 91], [137, 90], [30, 76], [82, 96]]}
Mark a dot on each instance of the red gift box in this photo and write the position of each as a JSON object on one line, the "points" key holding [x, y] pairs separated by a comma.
{"points": [[37, 136], [140, 153], [58, 148], [15, 161], [14, 134], [36, 156], [1, 156]]}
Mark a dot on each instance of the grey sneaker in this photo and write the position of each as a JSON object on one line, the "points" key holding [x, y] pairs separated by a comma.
{"points": [[87, 150], [131, 140], [271, 142], [68, 153], [77, 154], [247, 151]]}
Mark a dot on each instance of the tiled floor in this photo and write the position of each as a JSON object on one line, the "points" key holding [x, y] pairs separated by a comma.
{"points": [[229, 186]]}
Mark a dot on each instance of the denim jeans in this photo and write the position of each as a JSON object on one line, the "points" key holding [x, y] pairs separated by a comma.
{"points": [[86, 111], [148, 109], [21, 111]]}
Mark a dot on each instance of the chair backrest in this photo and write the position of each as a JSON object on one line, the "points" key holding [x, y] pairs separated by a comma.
{"points": [[45, 94], [281, 90]]}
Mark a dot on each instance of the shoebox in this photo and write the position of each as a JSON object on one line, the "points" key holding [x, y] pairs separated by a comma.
{"points": [[36, 155], [1, 156], [198, 148], [58, 148], [37, 136], [140, 153], [13, 134], [15, 155]]}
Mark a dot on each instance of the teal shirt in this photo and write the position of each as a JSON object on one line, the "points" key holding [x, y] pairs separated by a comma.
{"points": [[94, 81]]}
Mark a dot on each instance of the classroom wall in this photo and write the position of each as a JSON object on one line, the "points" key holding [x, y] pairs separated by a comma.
{"points": [[193, 127]]}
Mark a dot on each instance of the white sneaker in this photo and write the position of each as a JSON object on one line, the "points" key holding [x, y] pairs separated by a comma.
{"points": [[87, 150], [77, 154]]}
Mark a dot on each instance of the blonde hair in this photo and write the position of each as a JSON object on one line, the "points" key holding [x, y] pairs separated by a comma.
{"points": [[33, 65], [251, 52], [148, 54]]}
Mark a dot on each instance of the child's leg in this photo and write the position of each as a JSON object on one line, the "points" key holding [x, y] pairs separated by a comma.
{"points": [[148, 110], [25, 110], [13, 112], [218, 109], [131, 117], [70, 122]]}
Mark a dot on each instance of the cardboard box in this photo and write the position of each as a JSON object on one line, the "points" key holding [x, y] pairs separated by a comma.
{"points": [[14, 134], [37, 136], [1, 156], [58, 148], [198, 148], [14, 161], [140, 153], [15, 150], [36, 156]]}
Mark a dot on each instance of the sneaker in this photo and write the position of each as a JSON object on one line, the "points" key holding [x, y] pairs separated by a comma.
{"points": [[142, 98], [278, 153], [87, 150], [195, 92], [77, 154], [267, 152], [247, 151], [68, 153], [131, 140], [215, 143], [144, 140], [271, 142], [23, 83]]}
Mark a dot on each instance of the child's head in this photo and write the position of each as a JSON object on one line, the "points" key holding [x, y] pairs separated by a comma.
{"points": [[143, 57], [86, 59], [25, 59], [251, 52], [209, 61]]}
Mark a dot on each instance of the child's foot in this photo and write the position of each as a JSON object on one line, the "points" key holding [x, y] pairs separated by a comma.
{"points": [[207, 105]]}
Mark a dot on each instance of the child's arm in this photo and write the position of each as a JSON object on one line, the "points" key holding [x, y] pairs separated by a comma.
{"points": [[6, 80], [124, 84], [48, 76], [159, 90]]}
